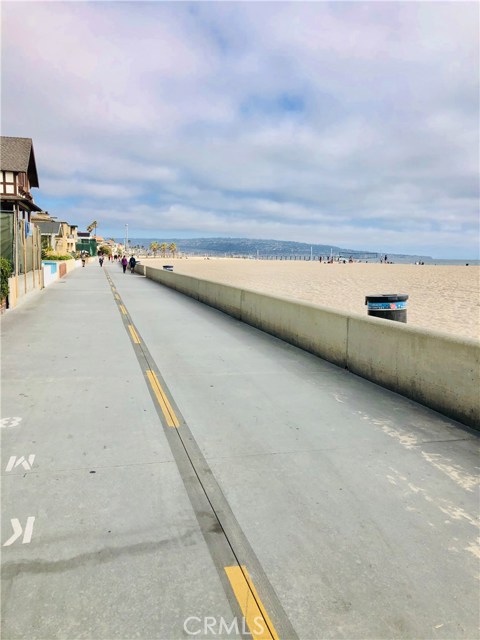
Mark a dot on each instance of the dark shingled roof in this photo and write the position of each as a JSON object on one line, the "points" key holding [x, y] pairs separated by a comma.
{"points": [[48, 227], [16, 154]]}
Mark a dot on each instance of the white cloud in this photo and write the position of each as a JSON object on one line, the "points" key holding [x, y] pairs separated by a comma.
{"points": [[288, 120]]}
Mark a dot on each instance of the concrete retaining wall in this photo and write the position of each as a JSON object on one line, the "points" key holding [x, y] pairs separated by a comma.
{"points": [[55, 269], [51, 270], [50, 273], [20, 287], [435, 369], [72, 264]]}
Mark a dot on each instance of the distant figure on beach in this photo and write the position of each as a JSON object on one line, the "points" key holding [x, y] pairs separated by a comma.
{"points": [[124, 263], [100, 260], [132, 262], [386, 259]]}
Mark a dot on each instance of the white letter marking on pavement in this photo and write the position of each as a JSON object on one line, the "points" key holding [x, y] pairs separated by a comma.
{"points": [[26, 464], [17, 531], [5, 423]]}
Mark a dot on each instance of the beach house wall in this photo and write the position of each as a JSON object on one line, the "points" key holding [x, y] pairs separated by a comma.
{"points": [[72, 238], [20, 239], [57, 236], [49, 231]]}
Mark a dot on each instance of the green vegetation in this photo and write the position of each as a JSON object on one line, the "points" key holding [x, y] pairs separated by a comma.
{"points": [[105, 249], [154, 246], [46, 243], [172, 248], [5, 272], [51, 255], [163, 249]]}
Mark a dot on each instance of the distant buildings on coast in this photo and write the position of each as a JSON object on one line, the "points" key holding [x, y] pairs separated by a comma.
{"points": [[28, 234]]}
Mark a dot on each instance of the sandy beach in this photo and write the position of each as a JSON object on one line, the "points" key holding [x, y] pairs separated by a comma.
{"points": [[442, 298]]}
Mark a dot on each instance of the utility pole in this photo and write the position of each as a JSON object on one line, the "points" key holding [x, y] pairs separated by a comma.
{"points": [[126, 239]]}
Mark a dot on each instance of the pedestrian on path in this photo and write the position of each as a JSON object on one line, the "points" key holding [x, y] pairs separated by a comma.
{"points": [[132, 262], [124, 263], [101, 260]]}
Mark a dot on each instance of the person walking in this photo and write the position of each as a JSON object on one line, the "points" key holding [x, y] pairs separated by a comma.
{"points": [[132, 262], [124, 263], [83, 258], [100, 260]]}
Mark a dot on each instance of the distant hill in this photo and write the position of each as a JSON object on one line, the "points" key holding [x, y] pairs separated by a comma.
{"points": [[249, 247], [245, 247]]}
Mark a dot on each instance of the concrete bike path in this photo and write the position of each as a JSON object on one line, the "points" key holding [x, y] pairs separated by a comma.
{"points": [[172, 442], [99, 539], [360, 505]]}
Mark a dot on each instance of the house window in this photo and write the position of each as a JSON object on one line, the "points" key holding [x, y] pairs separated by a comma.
{"points": [[7, 182]]}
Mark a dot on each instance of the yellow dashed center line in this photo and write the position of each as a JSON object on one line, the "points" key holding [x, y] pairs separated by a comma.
{"points": [[167, 410], [134, 334], [256, 617]]}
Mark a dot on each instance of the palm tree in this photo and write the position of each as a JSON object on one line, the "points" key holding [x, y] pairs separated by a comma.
{"points": [[93, 227], [154, 246], [163, 249], [172, 248]]}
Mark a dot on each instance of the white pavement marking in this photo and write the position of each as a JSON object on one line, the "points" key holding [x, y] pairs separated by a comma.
{"points": [[453, 471], [26, 464], [17, 531], [6, 423], [445, 465], [448, 508]]}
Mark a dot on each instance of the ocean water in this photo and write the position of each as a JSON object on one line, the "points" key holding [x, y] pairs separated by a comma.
{"points": [[441, 261], [430, 261]]}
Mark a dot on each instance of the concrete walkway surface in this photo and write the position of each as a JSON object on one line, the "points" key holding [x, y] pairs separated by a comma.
{"points": [[168, 472]]}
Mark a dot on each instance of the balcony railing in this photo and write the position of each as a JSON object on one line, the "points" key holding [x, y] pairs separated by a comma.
{"points": [[26, 194]]}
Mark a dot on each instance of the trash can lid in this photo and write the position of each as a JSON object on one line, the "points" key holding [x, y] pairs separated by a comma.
{"points": [[386, 297]]}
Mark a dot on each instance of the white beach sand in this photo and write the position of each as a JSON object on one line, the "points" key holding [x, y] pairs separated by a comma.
{"points": [[442, 298]]}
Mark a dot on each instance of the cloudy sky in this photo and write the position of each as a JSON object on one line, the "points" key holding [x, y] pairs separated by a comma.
{"points": [[355, 124]]}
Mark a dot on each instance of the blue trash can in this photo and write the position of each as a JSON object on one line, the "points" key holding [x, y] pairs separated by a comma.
{"points": [[168, 267], [391, 306]]}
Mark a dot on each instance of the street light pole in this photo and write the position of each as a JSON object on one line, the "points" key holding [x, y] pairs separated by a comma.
{"points": [[126, 239]]}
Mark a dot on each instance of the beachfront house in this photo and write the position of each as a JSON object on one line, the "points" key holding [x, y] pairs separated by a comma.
{"points": [[85, 242], [20, 239], [57, 236]]}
